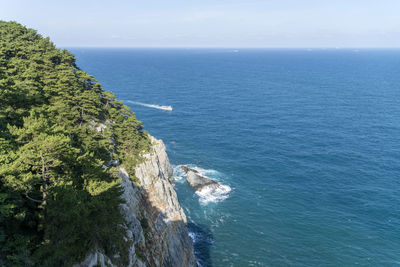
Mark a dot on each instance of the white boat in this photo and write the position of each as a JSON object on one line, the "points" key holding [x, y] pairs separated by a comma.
{"points": [[166, 108]]}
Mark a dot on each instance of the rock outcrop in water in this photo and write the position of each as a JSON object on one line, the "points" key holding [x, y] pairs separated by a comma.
{"points": [[197, 181], [156, 225]]}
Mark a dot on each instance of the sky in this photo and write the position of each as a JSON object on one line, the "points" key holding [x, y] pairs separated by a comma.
{"points": [[206, 23]]}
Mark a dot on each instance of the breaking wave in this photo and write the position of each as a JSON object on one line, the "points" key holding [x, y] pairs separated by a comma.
{"points": [[207, 194], [179, 174]]}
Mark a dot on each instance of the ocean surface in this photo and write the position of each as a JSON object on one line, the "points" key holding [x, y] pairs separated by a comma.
{"points": [[306, 144]]}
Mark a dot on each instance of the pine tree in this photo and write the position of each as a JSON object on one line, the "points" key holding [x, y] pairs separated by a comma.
{"points": [[59, 196]]}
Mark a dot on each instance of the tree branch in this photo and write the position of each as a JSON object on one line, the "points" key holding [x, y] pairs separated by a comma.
{"points": [[32, 199], [35, 200]]}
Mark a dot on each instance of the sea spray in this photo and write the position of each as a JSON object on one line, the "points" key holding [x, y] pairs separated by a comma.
{"points": [[214, 195]]}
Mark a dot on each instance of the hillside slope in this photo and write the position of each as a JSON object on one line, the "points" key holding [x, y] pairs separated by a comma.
{"points": [[66, 146]]}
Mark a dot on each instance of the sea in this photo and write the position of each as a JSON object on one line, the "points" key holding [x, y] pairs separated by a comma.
{"points": [[304, 142]]}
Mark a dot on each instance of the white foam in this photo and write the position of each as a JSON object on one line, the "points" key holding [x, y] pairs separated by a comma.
{"points": [[204, 172], [208, 194], [199, 237], [214, 194], [193, 236], [149, 105], [179, 174]]}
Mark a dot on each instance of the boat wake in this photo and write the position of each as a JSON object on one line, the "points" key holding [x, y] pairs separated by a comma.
{"points": [[169, 108], [207, 194]]}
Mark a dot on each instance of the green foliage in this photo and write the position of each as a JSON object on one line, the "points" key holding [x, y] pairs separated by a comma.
{"points": [[59, 194]]}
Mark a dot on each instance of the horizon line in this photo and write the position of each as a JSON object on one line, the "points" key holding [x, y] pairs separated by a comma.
{"points": [[229, 47]]}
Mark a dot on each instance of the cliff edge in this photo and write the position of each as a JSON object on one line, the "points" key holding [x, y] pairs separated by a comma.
{"points": [[156, 225], [65, 197]]}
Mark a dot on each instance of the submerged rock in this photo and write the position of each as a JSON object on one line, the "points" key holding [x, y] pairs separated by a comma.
{"points": [[197, 181]]}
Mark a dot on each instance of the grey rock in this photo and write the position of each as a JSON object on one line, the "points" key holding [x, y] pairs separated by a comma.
{"points": [[196, 180], [170, 244], [156, 225], [95, 259]]}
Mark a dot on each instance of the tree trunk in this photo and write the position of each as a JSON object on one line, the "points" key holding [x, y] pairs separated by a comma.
{"points": [[44, 183]]}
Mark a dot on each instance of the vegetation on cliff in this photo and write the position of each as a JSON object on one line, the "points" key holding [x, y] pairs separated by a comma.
{"points": [[59, 194]]}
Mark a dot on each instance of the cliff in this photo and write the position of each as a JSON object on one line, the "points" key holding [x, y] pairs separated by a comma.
{"points": [[64, 196], [156, 225]]}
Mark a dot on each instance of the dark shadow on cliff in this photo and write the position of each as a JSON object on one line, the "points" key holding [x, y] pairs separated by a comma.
{"points": [[203, 240], [163, 232]]}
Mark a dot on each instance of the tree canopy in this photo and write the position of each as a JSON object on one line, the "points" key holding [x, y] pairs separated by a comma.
{"points": [[59, 190]]}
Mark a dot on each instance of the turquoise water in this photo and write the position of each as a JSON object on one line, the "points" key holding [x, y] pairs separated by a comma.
{"points": [[307, 144]]}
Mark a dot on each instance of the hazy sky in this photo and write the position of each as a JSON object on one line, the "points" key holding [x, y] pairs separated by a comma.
{"points": [[206, 23]]}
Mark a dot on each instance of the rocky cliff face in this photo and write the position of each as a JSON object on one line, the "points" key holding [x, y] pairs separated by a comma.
{"points": [[156, 226]]}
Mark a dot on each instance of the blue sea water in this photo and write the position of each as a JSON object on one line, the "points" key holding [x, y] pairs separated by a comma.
{"points": [[308, 142]]}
